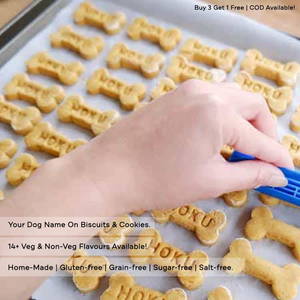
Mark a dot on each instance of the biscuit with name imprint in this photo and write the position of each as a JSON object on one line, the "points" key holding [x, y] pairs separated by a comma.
{"points": [[283, 74], [164, 86], [129, 95], [23, 88], [76, 110], [220, 293], [87, 14], [21, 120], [123, 286], [180, 70], [45, 138], [292, 143], [185, 265], [43, 64], [149, 65], [224, 59], [278, 99], [87, 47], [8, 149], [206, 226], [140, 28], [236, 199], [22, 168], [283, 280]]}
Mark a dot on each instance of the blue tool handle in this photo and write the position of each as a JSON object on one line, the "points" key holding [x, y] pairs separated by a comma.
{"points": [[289, 193]]}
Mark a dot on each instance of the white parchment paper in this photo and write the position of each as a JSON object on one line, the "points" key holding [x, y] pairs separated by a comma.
{"points": [[217, 28]]}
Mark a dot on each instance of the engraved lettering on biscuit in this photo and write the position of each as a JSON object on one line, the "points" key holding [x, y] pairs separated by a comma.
{"points": [[293, 145], [8, 149]]}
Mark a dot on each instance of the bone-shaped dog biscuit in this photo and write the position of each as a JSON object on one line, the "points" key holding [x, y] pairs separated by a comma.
{"points": [[117, 231], [224, 59], [45, 138], [43, 64], [168, 39], [284, 280], [22, 168], [45, 98], [122, 286], [206, 226], [262, 224], [87, 14], [184, 265], [8, 149], [76, 110], [87, 270], [271, 201], [236, 199], [283, 74], [87, 47], [278, 99], [164, 86], [129, 95], [220, 293], [181, 70], [295, 120], [121, 56], [21, 120], [292, 143]]}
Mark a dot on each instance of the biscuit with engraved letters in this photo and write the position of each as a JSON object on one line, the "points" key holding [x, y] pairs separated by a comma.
{"points": [[21, 120], [278, 99], [185, 265], [164, 86], [206, 226], [283, 74], [22, 168], [224, 59], [117, 231], [220, 293], [87, 270], [284, 281], [87, 47], [180, 70], [23, 88], [8, 149], [263, 225], [45, 138], [87, 14], [121, 56], [76, 110], [43, 64], [292, 143], [168, 39], [122, 286], [236, 199], [129, 95]]}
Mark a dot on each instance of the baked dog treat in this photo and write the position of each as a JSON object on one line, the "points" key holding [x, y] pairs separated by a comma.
{"points": [[121, 56], [21, 120], [163, 254], [123, 286], [43, 64], [224, 59], [45, 138], [226, 151], [87, 14], [293, 145], [295, 120], [206, 226], [88, 270], [165, 85], [22, 168], [8, 149], [263, 225], [116, 233], [129, 95], [181, 70], [76, 110], [87, 47], [236, 199], [283, 74], [283, 280], [138, 213], [168, 39], [220, 293], [278, 99], [45, 98], [271, 201]]}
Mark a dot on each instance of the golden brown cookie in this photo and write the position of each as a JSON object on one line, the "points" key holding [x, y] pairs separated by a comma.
{"points": [[292, 143], [295, 120], [236, 199], [220, 293], [8, 149], [164, 86]]}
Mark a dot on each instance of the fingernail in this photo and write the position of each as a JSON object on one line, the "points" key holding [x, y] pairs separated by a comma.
{"points": [[277, 180]]}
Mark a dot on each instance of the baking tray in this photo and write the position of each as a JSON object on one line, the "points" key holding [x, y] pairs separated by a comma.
{"points": [[213, 28]]}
